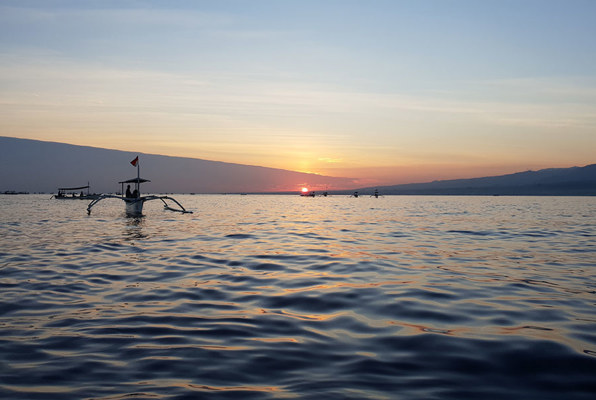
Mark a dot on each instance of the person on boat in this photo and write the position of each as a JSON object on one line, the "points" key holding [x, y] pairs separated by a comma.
{"points": [[135, 193], [128, 193]]}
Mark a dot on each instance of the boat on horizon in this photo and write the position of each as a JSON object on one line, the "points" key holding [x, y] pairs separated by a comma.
{"points": [[72, 193], [376, 194], [12, 192]]}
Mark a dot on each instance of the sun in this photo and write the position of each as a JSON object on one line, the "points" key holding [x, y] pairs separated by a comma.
{"points": [[304, 190]]}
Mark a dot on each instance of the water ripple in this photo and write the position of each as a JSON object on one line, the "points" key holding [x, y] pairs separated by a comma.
{"points": [[274, 297]]}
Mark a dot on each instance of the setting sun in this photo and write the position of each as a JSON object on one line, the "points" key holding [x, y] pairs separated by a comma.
{"points": [[304, 190]]}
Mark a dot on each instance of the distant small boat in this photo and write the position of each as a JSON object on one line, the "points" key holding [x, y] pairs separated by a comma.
{"points": [[376, 194], [355, 194], [133, 201], [13, 192], [75, 193]]}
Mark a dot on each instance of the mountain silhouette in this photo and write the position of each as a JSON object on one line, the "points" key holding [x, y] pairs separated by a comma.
{"points": [[574, 181], [39, 166]]}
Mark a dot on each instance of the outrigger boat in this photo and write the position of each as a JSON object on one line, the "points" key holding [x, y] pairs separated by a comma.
{"points": [[70, 193], [133, 200]]}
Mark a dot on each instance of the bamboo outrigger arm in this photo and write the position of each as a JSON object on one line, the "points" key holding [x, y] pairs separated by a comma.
{"points": [[101, 197], [166, 205]]}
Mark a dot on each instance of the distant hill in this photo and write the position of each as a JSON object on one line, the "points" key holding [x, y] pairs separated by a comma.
{"points": [[38, 166], [575, 181]]}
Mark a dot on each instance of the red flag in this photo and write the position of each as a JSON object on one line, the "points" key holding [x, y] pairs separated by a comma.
{"points": [[135, 161]]}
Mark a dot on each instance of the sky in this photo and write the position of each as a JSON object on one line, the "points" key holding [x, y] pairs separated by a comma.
{"points": [[386, 92]]}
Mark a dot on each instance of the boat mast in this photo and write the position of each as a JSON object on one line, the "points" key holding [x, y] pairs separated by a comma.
{"points": [[138, 186]]}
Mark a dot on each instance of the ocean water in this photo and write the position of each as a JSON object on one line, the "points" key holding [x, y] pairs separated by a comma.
{"points": [[282, 297]]}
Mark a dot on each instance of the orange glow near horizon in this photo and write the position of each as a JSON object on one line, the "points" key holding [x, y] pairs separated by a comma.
{"points": [[339, 116], [304, 190]]}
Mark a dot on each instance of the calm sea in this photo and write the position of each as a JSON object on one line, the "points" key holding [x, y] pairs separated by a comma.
{"points": [[257, 297]]}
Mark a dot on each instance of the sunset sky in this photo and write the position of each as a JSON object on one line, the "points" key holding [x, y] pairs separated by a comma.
{"points": [[384, 91]]}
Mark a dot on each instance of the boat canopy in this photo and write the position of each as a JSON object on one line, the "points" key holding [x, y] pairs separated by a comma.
{"points": [[136, 180], [75, 188]]}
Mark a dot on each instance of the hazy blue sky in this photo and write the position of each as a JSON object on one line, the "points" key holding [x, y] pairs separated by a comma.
{"points": [[385, 91]]}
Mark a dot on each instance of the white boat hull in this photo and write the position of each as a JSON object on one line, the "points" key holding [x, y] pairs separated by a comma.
{"points": [[134, 207]]}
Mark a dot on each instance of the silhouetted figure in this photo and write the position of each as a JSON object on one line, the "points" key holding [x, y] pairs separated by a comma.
{"points": [[135, 193], [128, 193], [355, 194]]}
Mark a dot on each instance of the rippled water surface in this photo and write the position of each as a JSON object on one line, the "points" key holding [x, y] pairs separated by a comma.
{"points": [[289, 297]]}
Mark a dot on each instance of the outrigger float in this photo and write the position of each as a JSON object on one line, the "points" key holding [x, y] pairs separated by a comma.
{"points": [[133, 201]]}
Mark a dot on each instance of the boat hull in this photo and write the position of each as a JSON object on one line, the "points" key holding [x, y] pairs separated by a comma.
{"points": [[134, 207]]}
